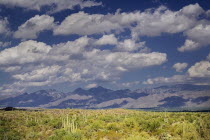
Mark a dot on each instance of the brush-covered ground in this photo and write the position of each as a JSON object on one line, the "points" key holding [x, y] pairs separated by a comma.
{"points": [[113, 124]]}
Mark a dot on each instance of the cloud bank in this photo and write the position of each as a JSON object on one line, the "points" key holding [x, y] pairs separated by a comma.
{"points": [[33, 63], [86, 59]]}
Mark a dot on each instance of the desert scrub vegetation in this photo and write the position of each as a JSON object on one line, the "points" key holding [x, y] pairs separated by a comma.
{"points": [[112, 124]]}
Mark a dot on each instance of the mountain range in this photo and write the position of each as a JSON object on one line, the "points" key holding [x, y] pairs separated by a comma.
{"points": [[180, 96]]}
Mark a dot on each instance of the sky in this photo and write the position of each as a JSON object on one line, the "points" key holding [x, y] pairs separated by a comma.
{"points": [[117, 44]]}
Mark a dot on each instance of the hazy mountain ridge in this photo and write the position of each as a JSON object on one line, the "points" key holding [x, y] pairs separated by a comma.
{"points": [[173, 96]]}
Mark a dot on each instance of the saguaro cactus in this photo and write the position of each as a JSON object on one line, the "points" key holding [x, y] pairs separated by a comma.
{"points": [[69, 125]]}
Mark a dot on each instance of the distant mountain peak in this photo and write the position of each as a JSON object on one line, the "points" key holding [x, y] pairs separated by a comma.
{"points": [[99, 89], [78, 90], [81, 91], [45, 91]]}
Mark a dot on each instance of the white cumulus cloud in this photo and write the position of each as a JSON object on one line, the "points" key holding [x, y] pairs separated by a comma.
{"points": [[32, 27], [84, 24], [200, 33], [197, 37], [179, 67], [107, 40], [200, 69], [131, 45], [151, 22], [26, 52], [189, 45]]}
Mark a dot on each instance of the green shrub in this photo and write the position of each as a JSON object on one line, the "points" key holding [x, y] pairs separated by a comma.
{"points": [[113, 126], [65, 135], [31, 123], [129, 122], [150, 125]]}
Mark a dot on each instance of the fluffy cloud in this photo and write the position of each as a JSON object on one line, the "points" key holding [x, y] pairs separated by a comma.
{"points": [[73, 61], [162, 20], [26, 52], [198, 37], [179, 67], [84, 24], [32, 27], [200, 33], [135, 60], [54, 5], [131, 45], [193, 10], [200, 70], [189, 45], [151, 22], [4, 26], [127, 45], [107, 40]]}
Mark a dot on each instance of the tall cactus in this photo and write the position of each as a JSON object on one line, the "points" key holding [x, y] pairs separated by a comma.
{"points": [[69, 125]]}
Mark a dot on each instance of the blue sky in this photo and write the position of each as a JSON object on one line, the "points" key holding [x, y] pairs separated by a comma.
{"points": [[116, 44]]}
